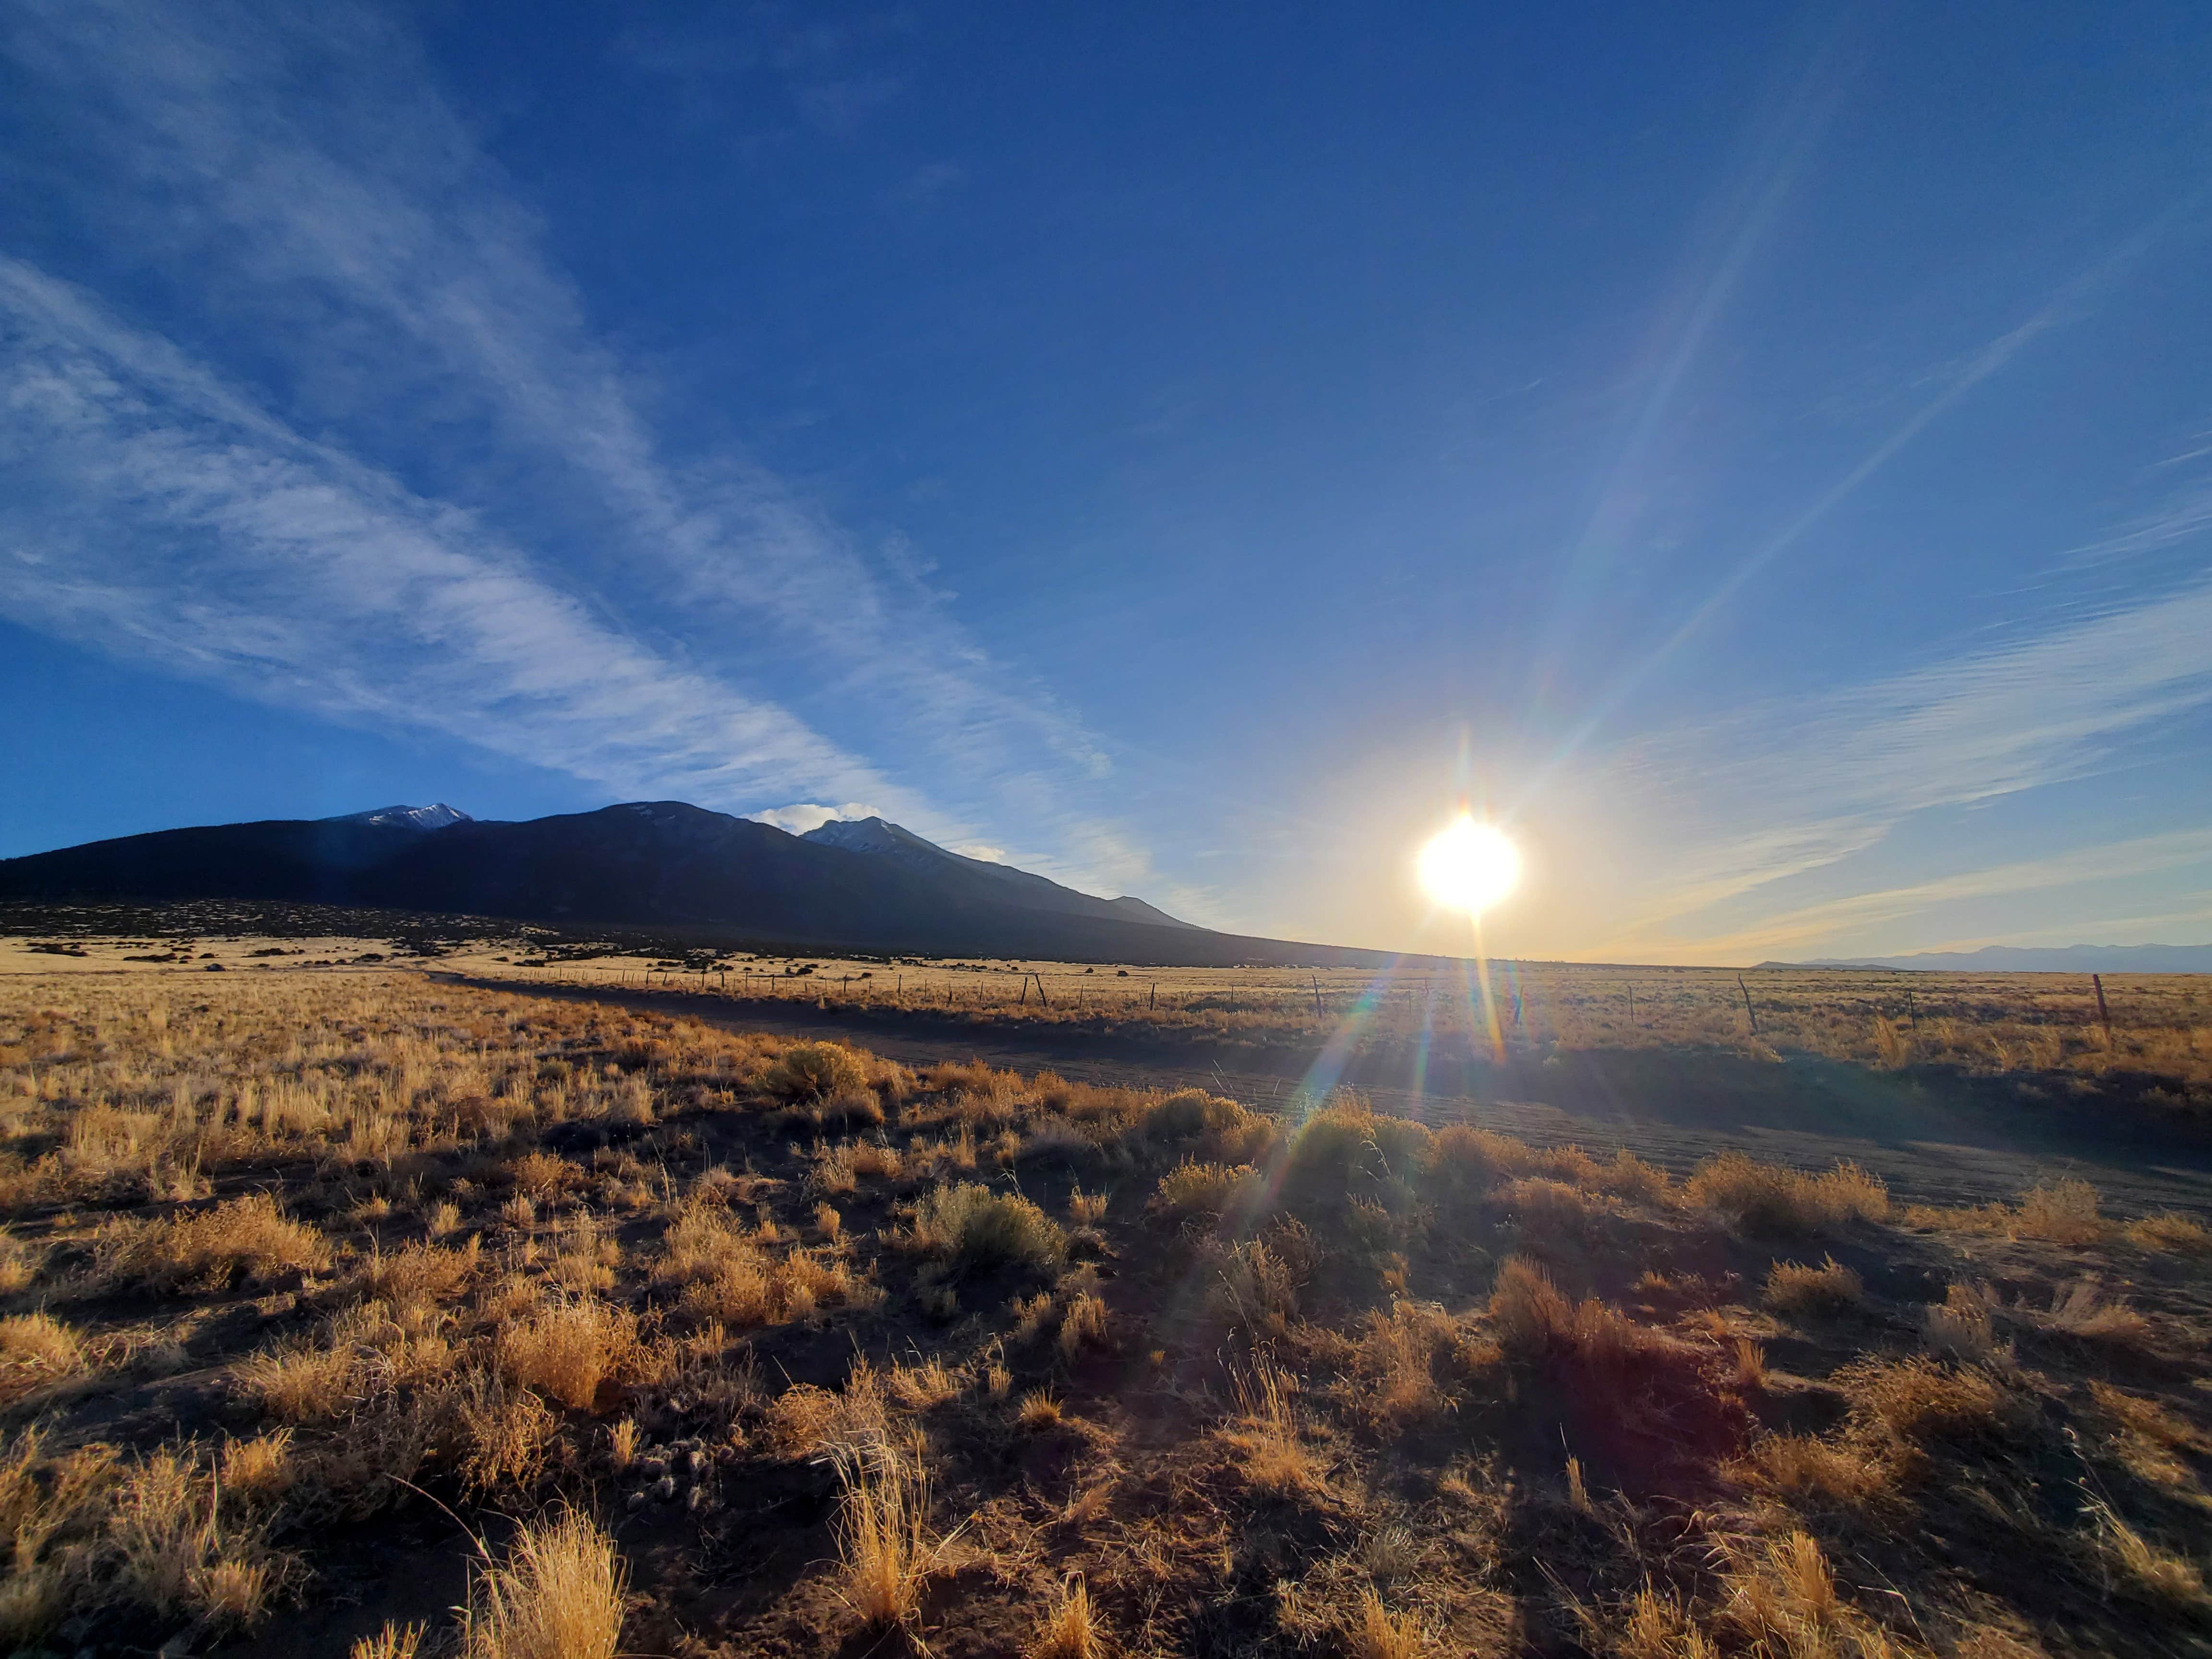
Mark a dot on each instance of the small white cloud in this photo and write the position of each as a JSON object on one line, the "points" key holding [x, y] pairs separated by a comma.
{"points": [[979, 849], [804, 816]]}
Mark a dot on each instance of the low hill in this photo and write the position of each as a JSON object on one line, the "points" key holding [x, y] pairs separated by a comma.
{"points": [[650, 864], [2036, 959]]}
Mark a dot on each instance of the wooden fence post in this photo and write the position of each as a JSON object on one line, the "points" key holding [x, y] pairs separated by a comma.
{"points": [[1750, 1012], [1153, 1006], [2104, 1013], [1316, 984]]}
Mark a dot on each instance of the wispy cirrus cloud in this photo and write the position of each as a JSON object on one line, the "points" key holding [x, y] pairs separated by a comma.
{"points": [[352, 265], [2137, 856], [264, 561], [1782, 790]]}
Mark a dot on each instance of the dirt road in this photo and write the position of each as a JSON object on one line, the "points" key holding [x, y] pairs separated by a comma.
{"points": [[1933, 1145]]}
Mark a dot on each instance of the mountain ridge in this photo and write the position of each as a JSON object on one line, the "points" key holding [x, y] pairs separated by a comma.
{"points": [[2033, 959], [658, 864]]}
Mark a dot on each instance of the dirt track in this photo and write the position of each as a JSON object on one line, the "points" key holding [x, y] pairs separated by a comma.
{"points": [[1932, 1146]]}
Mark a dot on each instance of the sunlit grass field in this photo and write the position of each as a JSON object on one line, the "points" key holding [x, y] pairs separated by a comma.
{"points": [[348, 1311]]}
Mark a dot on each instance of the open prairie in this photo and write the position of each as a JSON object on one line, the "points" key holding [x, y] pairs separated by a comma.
{"points": [[347, 1310]]}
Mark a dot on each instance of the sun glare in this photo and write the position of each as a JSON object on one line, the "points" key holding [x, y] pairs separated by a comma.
{"points": [[1469, 866]]}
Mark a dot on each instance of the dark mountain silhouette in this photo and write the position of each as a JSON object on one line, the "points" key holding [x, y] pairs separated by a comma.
{"points": [[903, 848], [661, 865]]}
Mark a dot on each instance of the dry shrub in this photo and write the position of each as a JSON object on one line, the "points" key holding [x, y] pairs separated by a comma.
{"points": [[36, 1349], [1813, 1473], [1206, 1127], [505, 1433], [1542, 1204], [540, 1175], [442, 1218], [1923, 1402], [1630, 1177], [1783, 1599], [1396, 1360], [18, 1267], [1084, 1325], [1382, 1634], [2149, 1434], [815, 1071], [2085, 1311], [2171, 1230], [1793, 1287], [829, 1222], [176, 1553], [1086, 1209], [1273, 1457], [1962, 1328], [918, 1388], [1765, 1198], [804, 1419], [2153, 1574], [1534, 1322], [1256, 1290], [1192, 1191], [248, 1236], [883, 1532], [259, 1470], [1465, 1163], [1654, 1625], [976, 1227], [394, 1641], [1346, 1147], [299, 1379], [1040, 1409], [2061, 1212], [1070, 1630], [560, 1594], [423, 1273], [567, 1349]]}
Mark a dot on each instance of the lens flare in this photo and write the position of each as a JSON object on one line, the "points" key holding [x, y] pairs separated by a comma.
{"points": [[1469, 866]]}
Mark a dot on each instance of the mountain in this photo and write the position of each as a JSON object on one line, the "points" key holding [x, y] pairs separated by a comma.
{"points": [[436, 816], [659, 865], [878, 839], [2037, 959]]}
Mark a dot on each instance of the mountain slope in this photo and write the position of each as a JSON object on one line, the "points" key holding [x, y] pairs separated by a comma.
{"points": [[661, 865], [901, 847]]}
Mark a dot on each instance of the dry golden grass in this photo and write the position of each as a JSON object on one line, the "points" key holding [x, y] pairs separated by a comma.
{"points": [[882, 1536], [560, 1593], [1070, 1630], [567, 1349], [350, 1148], [2173, 1232], [1813, 1473], [299, 1379], [1763, 1198], [248, 1236], [36, 1349], [973, 1227], [1382, 1634], [1083, 1325], [1266, 1434], [1793, 1287], [394, 1641]]}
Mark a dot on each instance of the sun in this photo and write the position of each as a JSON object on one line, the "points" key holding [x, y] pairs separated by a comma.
{"points": [[1469, 866]]}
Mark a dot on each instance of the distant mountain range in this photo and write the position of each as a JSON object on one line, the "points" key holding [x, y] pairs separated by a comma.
{"points": [[867, 885], [2034, 959]]}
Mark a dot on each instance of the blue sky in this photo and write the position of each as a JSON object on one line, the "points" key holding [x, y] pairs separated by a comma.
{"points": [[1764, 458]]}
